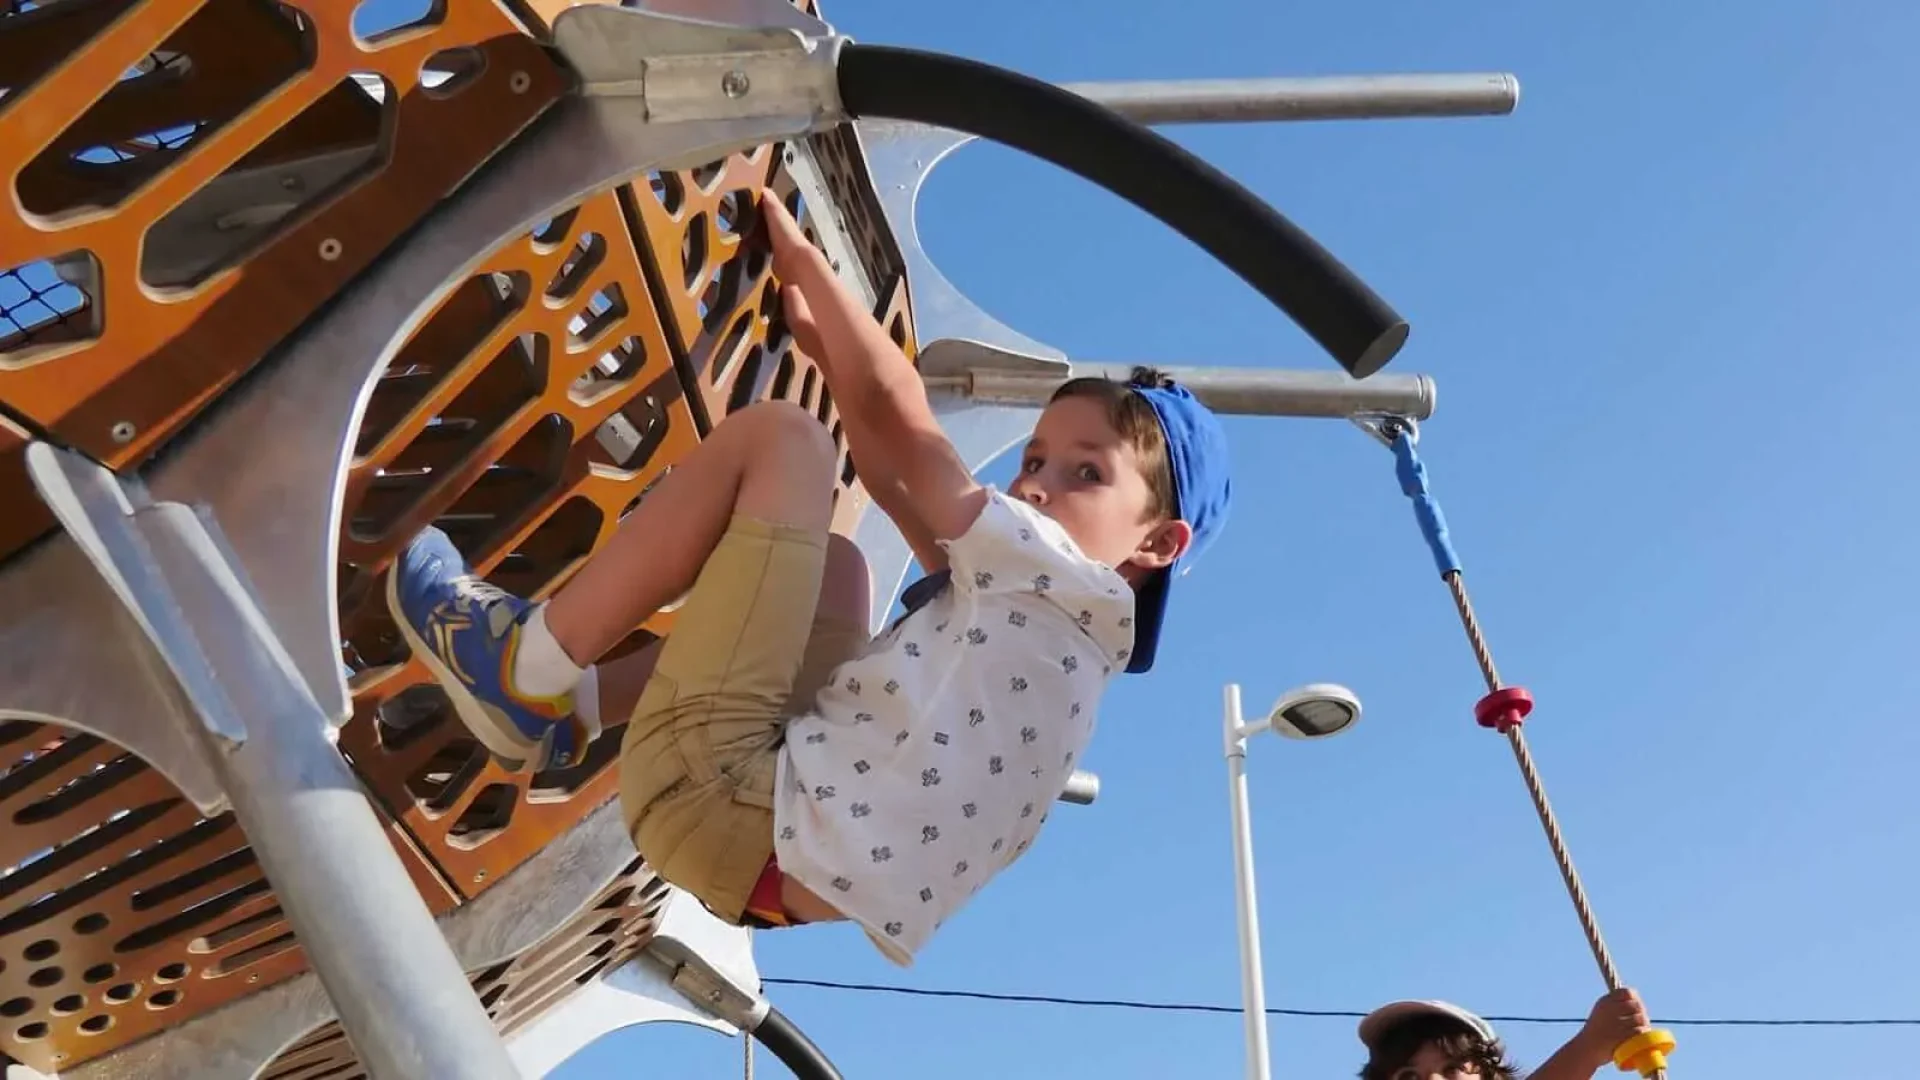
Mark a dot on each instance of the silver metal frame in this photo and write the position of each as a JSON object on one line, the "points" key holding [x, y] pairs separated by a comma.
{"points": [[1325, 97]]}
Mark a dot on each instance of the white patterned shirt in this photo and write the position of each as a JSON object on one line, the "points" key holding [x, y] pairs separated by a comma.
{"points": [[930, 761]]}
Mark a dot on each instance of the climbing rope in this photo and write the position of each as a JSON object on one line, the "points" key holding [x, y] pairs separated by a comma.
{"points": [[1504, 709]]}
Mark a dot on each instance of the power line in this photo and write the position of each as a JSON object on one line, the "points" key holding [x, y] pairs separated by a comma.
{"points": [[1168, 1006]]}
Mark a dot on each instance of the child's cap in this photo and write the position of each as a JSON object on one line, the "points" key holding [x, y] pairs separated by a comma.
{"points": [[1377, 1023], [1203, 494]]}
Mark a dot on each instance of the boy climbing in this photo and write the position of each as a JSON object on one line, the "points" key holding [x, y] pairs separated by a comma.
{"points": [[778, 765], [1433, 1040]]}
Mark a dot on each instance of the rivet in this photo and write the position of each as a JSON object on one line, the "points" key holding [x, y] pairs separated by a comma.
{"points": [[124, 431], [735, 84], [519, 82], [290, 183], [330, 249], [254, 978], [479, 875]]}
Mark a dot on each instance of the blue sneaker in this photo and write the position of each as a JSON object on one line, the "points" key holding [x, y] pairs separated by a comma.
{"points": [[467, 632]]}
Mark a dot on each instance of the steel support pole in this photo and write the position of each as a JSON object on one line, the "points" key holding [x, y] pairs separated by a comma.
{"points": [[1237, 391], [1253, 983], [1338, 97], [403, 999]]}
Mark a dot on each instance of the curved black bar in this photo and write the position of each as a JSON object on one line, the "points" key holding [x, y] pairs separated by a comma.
{"points": [[797, 1052], [1197, 200]]}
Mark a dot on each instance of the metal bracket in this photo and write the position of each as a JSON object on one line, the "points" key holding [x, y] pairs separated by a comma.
{"points": [[699, 68], [1386, 428], [697, 970], [131, 543], [961, 365], [710, 963]]}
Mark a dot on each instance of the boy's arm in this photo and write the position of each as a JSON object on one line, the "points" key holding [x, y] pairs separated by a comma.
{"points": [[909, 466], [891, 497], [1574, 1061], [1614, 1019]]}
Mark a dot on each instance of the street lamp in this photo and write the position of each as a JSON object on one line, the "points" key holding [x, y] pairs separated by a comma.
{"points": [[1309, 712]]}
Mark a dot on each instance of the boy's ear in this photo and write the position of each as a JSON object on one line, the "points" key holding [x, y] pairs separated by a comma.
{"points": [[1163, 545]]}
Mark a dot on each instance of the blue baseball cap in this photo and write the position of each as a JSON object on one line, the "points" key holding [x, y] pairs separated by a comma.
{"points": [[1203, 495]]}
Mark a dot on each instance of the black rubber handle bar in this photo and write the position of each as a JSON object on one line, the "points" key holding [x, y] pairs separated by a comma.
{"points": [[1200, 202], [788, 1043]]}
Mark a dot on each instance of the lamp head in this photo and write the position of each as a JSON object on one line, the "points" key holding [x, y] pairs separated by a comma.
{"points": [[1315, 711]]}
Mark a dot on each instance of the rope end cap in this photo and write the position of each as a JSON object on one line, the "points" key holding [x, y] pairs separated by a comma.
{"points": [[1645, 1053]]}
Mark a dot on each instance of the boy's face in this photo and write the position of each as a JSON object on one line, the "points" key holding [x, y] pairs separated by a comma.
{"points": [[1077, 470]]}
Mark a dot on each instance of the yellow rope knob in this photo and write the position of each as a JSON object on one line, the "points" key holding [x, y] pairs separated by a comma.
{"points": [[1645, 1053]]}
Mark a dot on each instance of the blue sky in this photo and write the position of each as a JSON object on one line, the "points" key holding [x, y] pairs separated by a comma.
{"points": [[1664, 303]]}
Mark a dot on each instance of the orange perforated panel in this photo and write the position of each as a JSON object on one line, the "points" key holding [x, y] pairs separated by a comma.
{"points": [[610, 930], [123, 909], [202, 174], [524, 416]]}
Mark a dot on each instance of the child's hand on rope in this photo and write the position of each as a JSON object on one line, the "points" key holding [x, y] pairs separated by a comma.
{"points": [[1614, 1019]]}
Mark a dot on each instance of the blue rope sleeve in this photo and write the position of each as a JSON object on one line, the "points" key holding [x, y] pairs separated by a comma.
{"points": [[1426, 509]]}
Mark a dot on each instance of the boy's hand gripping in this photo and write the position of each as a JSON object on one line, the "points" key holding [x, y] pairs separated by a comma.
{"points": [[1617, 1030], [796, 265]]}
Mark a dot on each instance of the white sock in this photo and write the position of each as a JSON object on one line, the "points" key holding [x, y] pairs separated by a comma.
{"points": [[586, 697], [542, 668]]}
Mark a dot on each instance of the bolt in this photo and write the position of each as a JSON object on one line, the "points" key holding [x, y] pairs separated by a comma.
{"points": [[735, 84], [124, 431], [330, 249], [519, 82], [479, 876]]}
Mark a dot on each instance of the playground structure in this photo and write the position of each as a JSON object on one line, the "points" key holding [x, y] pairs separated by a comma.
{"points": [[273, 296]]}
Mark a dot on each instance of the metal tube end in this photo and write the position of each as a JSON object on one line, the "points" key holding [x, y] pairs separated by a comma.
{"points": [[1082, 788]]}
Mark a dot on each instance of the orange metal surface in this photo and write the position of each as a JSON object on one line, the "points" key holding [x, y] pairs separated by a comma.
{"points": [[22, 515], [265, 83]]}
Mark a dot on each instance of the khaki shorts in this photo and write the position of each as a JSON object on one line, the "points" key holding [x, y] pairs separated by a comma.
{"points": [[697, 762]]}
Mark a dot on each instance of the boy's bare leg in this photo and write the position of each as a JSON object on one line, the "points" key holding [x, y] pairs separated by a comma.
{"points": [[845, 596], [510, 667], [764, 462]]}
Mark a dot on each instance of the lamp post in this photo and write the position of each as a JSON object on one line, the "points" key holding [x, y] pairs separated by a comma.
{"points": [[1309, 712]]}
